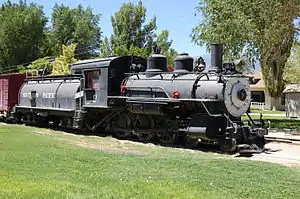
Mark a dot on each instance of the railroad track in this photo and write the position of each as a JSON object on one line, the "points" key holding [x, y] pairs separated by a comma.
{"points": [[277, 157], [283, 140], [283, 158]]}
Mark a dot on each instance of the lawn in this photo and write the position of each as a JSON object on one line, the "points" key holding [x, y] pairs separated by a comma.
{"points": [[53, 165], [266, 111], [278, 122]]}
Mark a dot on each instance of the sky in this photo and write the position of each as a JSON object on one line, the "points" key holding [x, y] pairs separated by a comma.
{"points": [[178, 18]]}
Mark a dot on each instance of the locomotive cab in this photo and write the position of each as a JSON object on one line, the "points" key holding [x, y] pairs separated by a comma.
{"points": [[101, 78]]}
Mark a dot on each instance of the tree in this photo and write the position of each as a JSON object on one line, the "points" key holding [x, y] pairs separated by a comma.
{"points": [[22, 33], [292, 73], [42, 63], [164, 44], [171, 54], [162, 41], [61, 63], [57, 66], [106, 48], [78, 25], [258, 30], [130, 33]]}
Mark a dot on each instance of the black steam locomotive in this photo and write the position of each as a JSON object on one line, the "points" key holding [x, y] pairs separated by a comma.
{"points": [[130, 96]]}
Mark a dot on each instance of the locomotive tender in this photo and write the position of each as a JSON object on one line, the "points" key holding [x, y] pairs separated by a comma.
{"points": [[130, 96]]}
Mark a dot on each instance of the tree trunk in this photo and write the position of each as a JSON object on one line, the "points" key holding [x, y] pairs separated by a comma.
{"points": [[273, 60], [275, 103]]}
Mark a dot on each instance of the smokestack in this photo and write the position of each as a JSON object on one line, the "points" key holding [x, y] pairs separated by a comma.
{"points": [[216, 57]]}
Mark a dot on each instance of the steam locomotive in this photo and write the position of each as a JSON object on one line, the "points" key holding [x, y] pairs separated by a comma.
{"points": [[130, 96]]}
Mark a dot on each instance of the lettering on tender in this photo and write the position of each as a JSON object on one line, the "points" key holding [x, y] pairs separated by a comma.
{"points": [[44, 95]]}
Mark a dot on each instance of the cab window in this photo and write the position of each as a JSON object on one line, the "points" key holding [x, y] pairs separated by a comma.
{"points": [[92, 79]]}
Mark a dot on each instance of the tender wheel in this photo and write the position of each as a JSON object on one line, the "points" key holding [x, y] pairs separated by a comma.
{"points": [[168, 138], [189, 142], [229, 146]]}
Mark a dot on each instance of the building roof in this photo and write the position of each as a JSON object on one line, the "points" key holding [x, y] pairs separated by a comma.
{"points": [[260, 84], [292, 88]]}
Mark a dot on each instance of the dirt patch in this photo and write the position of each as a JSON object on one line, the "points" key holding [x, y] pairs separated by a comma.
{"points": [[103, 148], [97, 146], [3, 124], [44, 132], [136, 143]]}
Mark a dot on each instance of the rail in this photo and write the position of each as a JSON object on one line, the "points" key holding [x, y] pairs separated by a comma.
{"points": [[54, 77], [163, 99], [174, 72]]}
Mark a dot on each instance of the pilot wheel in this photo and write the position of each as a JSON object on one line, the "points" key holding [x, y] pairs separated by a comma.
{"points": [[229, 146]]}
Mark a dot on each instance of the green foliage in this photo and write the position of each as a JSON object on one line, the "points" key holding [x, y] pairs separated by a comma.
{"points": [[129, 28], [42, 63], [171, 53], [61, 63], [131, 35], [106, 48], [78, 25], [162, 41], [22, 33], [58, 66], [292, 72], [251, 29]]}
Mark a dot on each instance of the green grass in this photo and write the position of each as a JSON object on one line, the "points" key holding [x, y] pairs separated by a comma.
{"points": [[40, 166], [266, 111], [278, 122], [285, 124]]}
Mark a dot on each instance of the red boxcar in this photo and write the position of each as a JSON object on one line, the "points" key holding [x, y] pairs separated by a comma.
{"points": [[9, 91]]}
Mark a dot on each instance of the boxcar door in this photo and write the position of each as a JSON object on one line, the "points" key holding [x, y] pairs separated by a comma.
{"points": [[95, 92]]}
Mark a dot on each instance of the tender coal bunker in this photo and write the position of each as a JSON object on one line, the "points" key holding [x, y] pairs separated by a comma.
{"points": [[183, 62]]}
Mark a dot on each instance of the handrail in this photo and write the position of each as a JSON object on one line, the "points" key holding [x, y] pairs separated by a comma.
{"points": [[54, 77], [197, 73], [164, 99], [208, 112], [152, 87]]}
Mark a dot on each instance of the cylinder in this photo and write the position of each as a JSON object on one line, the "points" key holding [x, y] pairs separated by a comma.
{"points": [[183, 63], [217, 57], [157, 63]]}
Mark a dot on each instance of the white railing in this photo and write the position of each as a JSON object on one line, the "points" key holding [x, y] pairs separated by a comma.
{"points": [[258, 105]]}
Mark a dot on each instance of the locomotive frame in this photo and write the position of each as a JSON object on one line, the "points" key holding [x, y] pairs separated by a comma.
{"points": [[101, 95]]}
